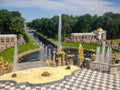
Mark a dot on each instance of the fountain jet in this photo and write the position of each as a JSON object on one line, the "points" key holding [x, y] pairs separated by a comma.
{"points": [[59, 32], [15, 57]]}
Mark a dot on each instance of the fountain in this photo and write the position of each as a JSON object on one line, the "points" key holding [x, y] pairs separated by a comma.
{"points": [[59, 33], [45, 52], [103, 53], [42, 52], [49, 54], [15, 56], [98, 54], [103, 57]]}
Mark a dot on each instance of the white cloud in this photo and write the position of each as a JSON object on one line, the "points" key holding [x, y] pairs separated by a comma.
{"points": [[65, 6]]}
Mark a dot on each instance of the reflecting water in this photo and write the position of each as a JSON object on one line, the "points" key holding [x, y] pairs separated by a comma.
{"points": [[30, 57]]}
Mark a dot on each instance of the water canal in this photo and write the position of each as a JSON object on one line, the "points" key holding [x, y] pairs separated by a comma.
{"points": [[50, 46], [41, 41]]}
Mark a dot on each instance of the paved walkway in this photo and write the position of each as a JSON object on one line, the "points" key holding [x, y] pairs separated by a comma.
{"points": [[79, 80], [27, 65]]}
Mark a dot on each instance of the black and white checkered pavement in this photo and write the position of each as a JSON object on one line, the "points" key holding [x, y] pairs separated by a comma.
{"points": [[82, 79]]}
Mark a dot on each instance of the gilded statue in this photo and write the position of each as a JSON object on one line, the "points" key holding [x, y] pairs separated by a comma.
{"points": [[80, 50], [62, 55], [4, 67], [80, 55]]}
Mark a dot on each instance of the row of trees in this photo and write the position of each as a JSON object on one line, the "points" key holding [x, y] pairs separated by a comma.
{"points": [[74, 24], [11, 22]]}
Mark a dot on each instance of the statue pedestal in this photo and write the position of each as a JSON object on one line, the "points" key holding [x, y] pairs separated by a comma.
{"points": [[63, 63], [57, 61], [70, 60], [80, 61]]}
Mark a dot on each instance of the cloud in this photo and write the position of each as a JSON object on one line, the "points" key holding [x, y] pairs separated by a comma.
{"points": [[65, 6]]}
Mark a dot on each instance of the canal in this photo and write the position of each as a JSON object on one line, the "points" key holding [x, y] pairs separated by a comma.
{"points": [[36, 56], [50, 48]]}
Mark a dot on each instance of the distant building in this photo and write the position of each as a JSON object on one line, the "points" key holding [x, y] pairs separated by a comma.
{"points": [[97, 35], [9, 40]]}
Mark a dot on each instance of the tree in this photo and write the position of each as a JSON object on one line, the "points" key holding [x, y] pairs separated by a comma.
{"points": [[5, 19], [78, 24], [11, 22]]}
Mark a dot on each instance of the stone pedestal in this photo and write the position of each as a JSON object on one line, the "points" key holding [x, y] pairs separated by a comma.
{"points": [[63, 63], [114, 69], [80, 61], [57, 61], [70, 59]]}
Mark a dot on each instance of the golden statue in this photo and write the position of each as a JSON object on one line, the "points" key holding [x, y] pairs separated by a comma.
{"points": [[4, 67], [62, 55], [80, 55], [80, 50]]}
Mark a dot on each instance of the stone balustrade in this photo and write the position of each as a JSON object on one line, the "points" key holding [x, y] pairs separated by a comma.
{"points": [[102, 67], [114, 69], [28, 52], [99, 66]]}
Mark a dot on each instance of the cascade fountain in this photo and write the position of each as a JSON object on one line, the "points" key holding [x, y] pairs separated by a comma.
{"points": [[103, 57]]}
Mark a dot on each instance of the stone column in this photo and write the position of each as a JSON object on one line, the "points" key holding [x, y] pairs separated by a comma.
{"points": [[87, 37], [73, 38], [70, 61], [80, 37], [4, 40]]}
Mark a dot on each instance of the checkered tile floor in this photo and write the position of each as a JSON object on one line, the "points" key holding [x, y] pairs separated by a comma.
{"points": [[80, 80]]}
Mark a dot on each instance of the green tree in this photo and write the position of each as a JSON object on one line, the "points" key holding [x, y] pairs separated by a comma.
{"points": [[11, 22]]}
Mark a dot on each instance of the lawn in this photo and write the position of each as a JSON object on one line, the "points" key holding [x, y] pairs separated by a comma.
{"points": [[86, 46], [8, 53], [116, 41]]}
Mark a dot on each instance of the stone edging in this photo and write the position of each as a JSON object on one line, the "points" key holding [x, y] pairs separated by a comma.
{"points": [[28, 52], [39, 84]]}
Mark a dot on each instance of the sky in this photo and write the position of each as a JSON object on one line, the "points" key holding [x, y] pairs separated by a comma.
{"points": [[32, 9]]}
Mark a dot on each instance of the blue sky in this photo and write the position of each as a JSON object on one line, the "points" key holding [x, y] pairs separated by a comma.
{"points": [[32, 9]]}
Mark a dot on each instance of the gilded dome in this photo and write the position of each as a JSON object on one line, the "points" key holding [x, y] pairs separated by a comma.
{"points": [[99, 29]]}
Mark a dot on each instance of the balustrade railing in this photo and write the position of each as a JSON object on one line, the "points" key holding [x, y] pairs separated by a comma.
{"points": [[115, 69], [103, 67]]}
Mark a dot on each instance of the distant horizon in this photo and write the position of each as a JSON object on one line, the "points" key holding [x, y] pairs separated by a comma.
{"points": [[34, 9]]}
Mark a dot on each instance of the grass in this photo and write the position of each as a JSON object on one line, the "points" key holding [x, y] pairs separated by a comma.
{"points": [[116, 41], [8, 53], [86, 46], [76, 45]]}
